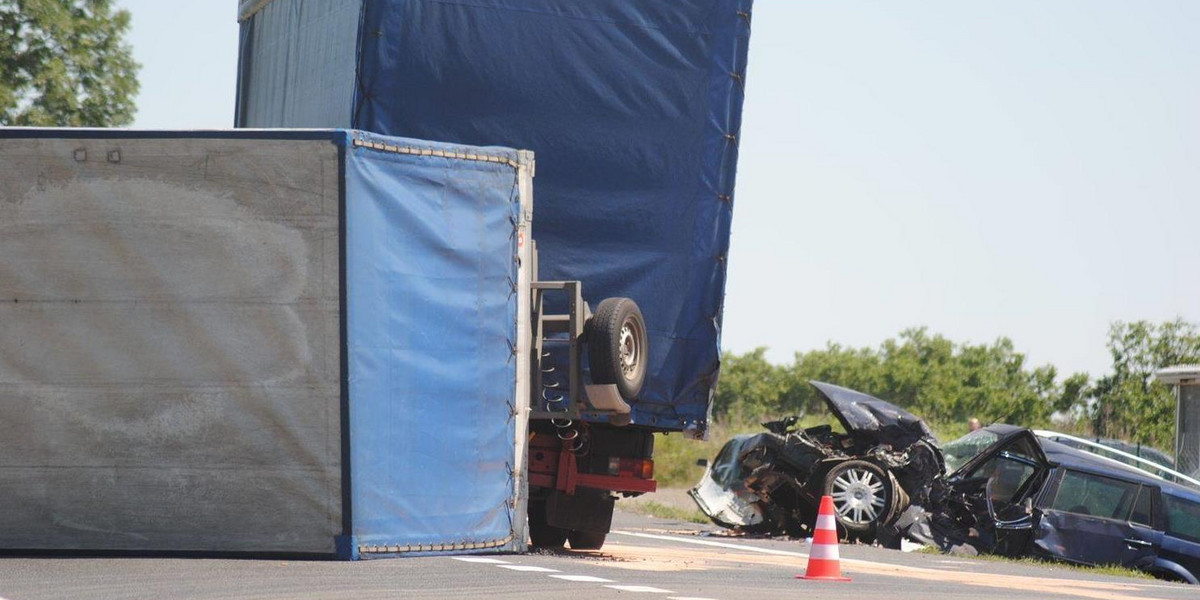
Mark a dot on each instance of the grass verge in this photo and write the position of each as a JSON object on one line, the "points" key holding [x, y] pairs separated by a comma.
{"points": [[1113, 570], [651, 508]]}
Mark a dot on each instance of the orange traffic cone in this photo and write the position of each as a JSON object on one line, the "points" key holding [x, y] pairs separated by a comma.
{"points": [[823, 560]]}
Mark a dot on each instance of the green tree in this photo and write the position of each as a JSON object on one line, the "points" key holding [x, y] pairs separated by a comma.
{"points": [[750, 386], [1129, 403], [928, 374], [65, 63], [855, 368], [946, 382]]}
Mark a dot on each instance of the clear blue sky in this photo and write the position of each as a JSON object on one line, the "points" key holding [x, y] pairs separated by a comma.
{"points": [[1027, 168]]}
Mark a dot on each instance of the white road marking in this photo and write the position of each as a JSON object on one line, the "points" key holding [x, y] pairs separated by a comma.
{"points": [[582, 578], [643, 589], [528, 568], [672, 538], [585, 579], [473, 559]]}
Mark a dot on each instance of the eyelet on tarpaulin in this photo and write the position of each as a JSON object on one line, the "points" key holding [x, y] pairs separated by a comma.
{"points": [[730, 130], [443, 547], [359, 142]]}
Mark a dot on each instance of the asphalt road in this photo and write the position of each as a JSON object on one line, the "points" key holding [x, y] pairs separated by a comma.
{"points": [[645, 558]]}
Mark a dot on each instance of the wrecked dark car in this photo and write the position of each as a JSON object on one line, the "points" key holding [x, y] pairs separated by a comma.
{"points": [[998, 490], [1016, 494], [772, 482]]}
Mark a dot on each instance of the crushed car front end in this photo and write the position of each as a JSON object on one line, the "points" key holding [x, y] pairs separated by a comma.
{"points": [[886, 459]]}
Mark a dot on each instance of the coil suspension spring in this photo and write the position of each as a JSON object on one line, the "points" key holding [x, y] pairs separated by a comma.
{"points": [[555, 402]]}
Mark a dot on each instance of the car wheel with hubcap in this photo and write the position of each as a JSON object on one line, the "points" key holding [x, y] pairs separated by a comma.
{"points": [[862, 497]]}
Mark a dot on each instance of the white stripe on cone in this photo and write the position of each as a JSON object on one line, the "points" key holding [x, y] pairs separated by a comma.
{"points": [[824, 552], [826, 522]]}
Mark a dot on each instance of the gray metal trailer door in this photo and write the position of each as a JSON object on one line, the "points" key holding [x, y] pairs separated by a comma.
{"points": [[169, 344]]}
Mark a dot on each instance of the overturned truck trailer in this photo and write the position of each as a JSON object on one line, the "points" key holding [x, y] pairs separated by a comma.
{"points": [[303, 342]]}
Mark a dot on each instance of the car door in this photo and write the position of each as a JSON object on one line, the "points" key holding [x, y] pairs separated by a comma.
{"points": [[1014, 470], [1004, 479], [1097, 519], [1181, 542]]}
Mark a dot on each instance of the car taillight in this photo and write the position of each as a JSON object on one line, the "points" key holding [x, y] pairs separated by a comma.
{"points": [[631, 467]]}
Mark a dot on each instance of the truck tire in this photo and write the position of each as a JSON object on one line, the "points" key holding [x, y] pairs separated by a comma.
{"points": [[862, 497], [587, 540], [541, 533], [618, 347]]}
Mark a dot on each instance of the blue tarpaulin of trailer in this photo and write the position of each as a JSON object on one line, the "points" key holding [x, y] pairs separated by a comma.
{"points": [[632, 106], [431, 305]]}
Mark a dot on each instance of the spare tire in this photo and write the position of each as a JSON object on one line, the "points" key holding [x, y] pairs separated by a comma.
{"points": [[618, 347]]}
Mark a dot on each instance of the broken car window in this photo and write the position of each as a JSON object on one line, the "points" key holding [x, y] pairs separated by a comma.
{"points": [[1006, 476], [1009, 470], [967, 447], [1183, 517], [1087, 494]]}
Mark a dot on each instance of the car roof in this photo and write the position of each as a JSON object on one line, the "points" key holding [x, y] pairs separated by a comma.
{"points": [[1003, 429], [1074, 458]]}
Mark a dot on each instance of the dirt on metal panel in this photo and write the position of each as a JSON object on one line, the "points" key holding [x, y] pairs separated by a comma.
{"points": [[169, 348]]}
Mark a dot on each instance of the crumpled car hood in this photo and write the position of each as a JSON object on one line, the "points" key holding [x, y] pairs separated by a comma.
{"points": [[871, 420]]}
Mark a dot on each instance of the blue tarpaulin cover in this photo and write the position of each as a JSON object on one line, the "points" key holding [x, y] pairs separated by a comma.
{"points": [[431, 304], [632, 106]]}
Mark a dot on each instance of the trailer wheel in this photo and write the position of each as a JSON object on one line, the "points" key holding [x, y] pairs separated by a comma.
{"points": [[862, 497], [587, 540], [541, 533], [617, 346]]}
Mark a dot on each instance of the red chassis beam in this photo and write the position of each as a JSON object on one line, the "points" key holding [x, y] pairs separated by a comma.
{"points": [[552, 465]]}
